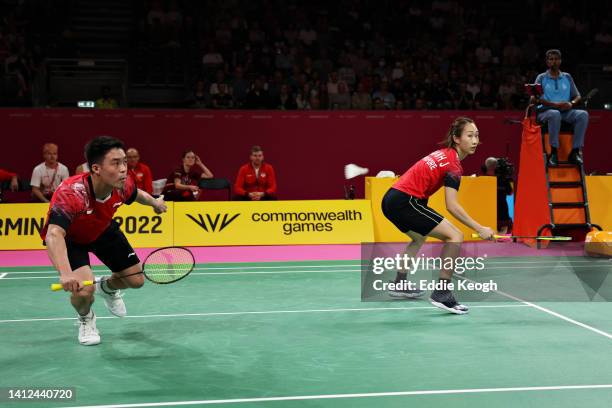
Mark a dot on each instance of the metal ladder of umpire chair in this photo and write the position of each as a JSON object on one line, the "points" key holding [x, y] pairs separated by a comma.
{"points": [[558, 187]]}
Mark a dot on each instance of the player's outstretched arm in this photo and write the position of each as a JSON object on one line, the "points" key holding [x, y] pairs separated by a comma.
{"points": [[453, 206], [158, 204], [56, 248]]}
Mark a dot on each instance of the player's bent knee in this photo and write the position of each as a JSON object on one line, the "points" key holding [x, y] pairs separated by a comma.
{"points": [[456, 236], [85, 292]]}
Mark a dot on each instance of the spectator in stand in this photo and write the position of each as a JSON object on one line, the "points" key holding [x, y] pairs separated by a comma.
{"points": [[256, 180], [307, 35], [212, 59], [239, 86], [18, 64], [341, 100], [106, 101], [379, 104], [320, 100], [275, 85], [530, 50], [222, 99], [219, 79], [286, 99], [302, 99], [484, 53], [361, 98], [200, 98], [485, 99], [140, 171], [48, 175], [512, 53], [183, 183], [156, 13], [258, 98], [387, 98], [463, 100], [174, 17], [505, 93], [332, 84], [473, 86]]}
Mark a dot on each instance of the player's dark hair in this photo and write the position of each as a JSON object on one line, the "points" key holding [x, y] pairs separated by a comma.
{"points": [[97, 148], [456, 129], [553, 52], [186, 152], [256, 149]]}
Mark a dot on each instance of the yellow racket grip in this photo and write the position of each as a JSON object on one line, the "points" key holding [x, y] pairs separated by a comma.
{"points": [[58, 286], [474, 235]]}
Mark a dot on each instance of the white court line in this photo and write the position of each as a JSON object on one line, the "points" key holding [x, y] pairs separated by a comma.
{"points": [[310, 271], [360, 395], [564, 262], [217, 273], [209, 269], [2, 275], [369, 309], [550, 312]]}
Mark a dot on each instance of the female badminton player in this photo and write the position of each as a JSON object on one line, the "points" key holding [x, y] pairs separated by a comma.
{"points": [[80, 220], [405, 205]]}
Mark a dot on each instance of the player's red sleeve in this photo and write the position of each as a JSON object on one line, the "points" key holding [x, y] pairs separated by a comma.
{"points": [[65, 205], [148, 179], [271, 190], [239, 185], [130, 190], [6, 175]]}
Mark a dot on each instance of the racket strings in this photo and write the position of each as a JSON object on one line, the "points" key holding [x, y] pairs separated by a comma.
{"points": [[168, 265]]}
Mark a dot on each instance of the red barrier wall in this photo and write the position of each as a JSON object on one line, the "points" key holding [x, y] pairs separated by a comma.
{"points": [[308, 149]]}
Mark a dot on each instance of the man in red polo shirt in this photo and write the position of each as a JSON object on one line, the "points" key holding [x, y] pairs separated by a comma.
{"points": [[256, 180], [140, 171]]}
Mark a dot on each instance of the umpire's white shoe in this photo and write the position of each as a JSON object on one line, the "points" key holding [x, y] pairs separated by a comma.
{"points": [[88, 333], [113, 301]]}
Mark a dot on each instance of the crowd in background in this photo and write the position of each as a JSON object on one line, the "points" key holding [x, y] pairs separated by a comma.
{"points": [[349, 54]]}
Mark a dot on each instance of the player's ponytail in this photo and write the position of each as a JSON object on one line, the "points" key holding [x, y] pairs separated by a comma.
{"points": [[456, 128]]}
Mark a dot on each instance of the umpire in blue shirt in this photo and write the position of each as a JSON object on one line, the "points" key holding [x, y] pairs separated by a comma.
{"points": [[557, 104]]}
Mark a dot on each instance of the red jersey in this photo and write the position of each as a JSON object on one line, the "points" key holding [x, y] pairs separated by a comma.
{"points": [[248, 181], [6, 175], [144, 178], [74, 207], [426, 176]]}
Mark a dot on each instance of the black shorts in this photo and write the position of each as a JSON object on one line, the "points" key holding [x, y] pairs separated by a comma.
{"points": [[409, 213], [111, 247]]}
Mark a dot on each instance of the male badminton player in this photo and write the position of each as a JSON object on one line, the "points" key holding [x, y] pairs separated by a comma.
{"points": [[80, 220], [405, 205]]}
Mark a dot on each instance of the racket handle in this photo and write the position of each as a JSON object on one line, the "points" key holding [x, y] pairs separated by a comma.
{"points": [[475, 235], [58, 286]]}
